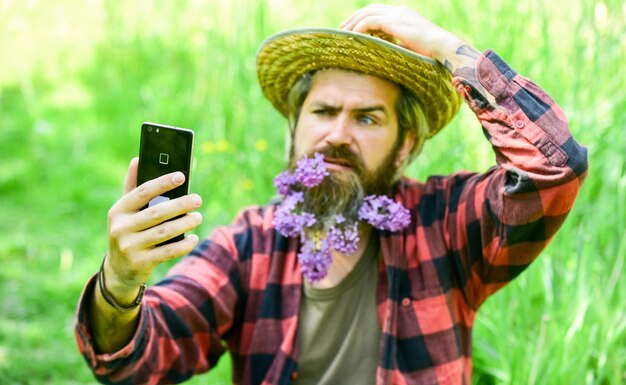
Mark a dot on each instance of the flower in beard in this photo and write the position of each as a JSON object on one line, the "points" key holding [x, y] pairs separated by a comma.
{"points": [[311, 171], [284, 182], [315, 258], [343, 237], [325, 213], [383, 213], [288, 219]]}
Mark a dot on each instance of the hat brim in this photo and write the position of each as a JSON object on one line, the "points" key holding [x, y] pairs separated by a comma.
{"points": [[286, 56]]}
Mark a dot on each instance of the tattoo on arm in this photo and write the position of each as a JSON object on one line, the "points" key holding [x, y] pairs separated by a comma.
{"points": [[466, 69], [464, 56], [469, 51]]}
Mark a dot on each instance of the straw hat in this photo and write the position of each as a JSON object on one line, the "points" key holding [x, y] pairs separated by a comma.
{"points": [[286, 56]]}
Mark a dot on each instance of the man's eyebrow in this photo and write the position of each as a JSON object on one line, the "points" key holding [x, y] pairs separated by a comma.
{"points": [[375, 108], [324, 105], [366, 109]]}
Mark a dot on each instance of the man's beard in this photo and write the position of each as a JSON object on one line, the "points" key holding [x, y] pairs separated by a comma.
{"points": [[342, 192]]}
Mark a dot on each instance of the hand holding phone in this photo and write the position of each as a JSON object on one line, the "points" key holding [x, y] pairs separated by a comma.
{"points": [[136, 234]]}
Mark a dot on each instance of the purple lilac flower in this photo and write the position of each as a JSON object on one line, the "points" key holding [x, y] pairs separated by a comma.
{"points": [[291, 201], [287, 220], [284, 181], [384, 214], [344, 239], [315, 260], [311, 171]]}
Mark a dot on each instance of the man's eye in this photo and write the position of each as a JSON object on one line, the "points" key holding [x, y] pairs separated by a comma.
{"points": [[321, 112], [366, 119]]}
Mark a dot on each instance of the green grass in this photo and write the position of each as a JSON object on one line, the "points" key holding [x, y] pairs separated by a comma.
{"points": [[77, 80]]}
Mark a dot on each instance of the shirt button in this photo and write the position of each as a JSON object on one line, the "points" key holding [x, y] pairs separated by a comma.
{"points": [[406, 302], [294, 375], [520, 123]]}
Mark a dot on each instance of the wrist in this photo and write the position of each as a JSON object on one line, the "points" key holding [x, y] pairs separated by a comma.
{"points": [[118, 295], [445, 45]]}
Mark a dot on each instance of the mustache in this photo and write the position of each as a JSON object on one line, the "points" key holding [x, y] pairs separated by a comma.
{"points": [[343, 155]]}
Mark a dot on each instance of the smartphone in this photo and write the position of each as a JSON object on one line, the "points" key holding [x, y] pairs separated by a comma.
{"points": [[162, 150]]}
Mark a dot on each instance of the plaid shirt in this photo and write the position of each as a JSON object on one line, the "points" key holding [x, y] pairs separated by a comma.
{"points": [[470, 235]]}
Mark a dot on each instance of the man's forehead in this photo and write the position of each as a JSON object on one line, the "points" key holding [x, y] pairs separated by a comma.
{"points": [[334, 85], [341, 72]]}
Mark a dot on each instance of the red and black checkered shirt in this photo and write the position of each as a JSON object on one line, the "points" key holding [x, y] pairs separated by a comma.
{"points": [[470, 234]]}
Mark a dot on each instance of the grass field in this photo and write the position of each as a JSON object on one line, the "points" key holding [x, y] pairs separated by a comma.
{"points": [[77, 78]]}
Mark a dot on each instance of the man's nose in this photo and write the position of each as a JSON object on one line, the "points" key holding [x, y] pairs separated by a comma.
{"points": [[340, 131]]}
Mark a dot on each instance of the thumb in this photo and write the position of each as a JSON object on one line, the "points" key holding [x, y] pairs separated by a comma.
{"points": [[131, 177]]}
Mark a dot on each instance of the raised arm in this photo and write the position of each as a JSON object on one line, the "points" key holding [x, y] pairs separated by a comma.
{"points": [[408, 29]]}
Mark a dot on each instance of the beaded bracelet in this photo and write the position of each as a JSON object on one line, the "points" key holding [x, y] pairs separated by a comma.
{"points": [[109, 298]]}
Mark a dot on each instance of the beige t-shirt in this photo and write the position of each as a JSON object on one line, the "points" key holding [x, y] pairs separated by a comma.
{"points": [[339, 331]]}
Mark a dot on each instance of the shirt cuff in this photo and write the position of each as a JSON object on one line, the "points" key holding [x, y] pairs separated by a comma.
{"points": [[493, 74], [517, 105]]}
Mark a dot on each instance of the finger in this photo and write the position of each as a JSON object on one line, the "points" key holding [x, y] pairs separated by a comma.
{"points": [[173, 250], [131, 177], [349, 23], [122, 226], [144, 193], [405, 35], [164, 211], [166, 231], [358, 15], [369, 24]]}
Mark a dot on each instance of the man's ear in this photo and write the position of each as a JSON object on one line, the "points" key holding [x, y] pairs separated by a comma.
{"points": [[405, 149]]}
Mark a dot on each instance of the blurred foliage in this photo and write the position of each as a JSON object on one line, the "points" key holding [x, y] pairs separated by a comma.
{"points": [[77, 78]]}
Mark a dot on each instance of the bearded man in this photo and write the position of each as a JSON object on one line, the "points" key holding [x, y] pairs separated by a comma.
{"points": [[356, 275]]}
